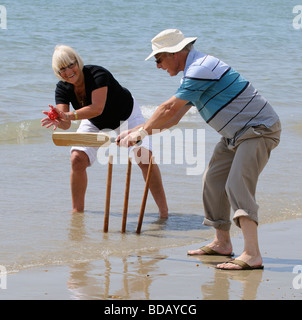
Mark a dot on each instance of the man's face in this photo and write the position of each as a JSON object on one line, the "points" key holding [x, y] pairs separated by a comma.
{"points": [[169, 62]]}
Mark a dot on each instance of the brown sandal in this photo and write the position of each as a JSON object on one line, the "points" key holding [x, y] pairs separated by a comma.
{"points": [[210, 252], [242, 264]]}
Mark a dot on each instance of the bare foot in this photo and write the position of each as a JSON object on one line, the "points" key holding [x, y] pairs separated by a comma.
{"points": [[75, 211], [163, 215]]}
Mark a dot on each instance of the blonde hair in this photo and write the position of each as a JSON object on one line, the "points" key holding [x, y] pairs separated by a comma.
{"points": [[64, 56]]}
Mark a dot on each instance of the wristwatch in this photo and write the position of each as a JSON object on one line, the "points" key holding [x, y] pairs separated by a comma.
{"points": [[143, 132]]}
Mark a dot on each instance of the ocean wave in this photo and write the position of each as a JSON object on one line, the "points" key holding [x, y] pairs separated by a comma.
{"points": [[28, 131], [190, 116], [22, 132]]}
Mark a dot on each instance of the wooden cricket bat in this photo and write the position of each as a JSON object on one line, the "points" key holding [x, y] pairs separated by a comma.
{"points": [[79, 139]]}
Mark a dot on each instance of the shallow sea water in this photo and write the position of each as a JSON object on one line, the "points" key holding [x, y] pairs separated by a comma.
{"points": [[36, 228]]}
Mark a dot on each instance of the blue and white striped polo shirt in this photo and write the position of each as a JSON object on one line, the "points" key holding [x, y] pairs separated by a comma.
{"points": [[225, 100]]}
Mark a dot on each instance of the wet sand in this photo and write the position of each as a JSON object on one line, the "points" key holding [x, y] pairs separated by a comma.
{"points": [[169, 274]]}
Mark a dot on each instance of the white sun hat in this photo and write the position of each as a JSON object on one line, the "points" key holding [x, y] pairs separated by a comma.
{"points": [[170, 40]]}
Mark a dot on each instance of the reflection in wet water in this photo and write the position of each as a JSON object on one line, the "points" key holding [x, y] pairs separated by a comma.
{"points": [[124, 275]]}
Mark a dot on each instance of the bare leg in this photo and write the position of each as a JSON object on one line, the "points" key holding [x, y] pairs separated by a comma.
{"points": [[251, 254], [221, 244], [156, 185], [78, 180]]}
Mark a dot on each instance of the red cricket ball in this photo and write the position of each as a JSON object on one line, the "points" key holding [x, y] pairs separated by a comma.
{"points": [[52, 114]]}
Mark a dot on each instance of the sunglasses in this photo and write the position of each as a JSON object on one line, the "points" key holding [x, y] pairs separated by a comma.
{"points": [[70, 66], [159, 59]]}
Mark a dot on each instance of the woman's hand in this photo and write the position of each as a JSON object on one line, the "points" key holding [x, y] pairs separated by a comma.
{"points": [[48, 122]]}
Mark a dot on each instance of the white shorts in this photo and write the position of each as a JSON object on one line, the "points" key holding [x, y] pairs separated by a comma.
{"points": [[136, 118]]}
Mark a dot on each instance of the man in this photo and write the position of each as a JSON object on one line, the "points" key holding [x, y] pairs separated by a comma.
{"points": [[250, 129]]}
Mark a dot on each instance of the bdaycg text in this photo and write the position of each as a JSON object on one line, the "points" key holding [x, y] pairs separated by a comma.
{"points": [[151, 309]]}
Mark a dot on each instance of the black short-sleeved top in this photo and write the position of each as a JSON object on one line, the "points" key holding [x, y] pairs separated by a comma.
{"points": [[119, 103]]}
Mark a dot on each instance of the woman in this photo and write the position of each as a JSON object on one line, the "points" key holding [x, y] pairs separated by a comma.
{"points": [[101, 103]]}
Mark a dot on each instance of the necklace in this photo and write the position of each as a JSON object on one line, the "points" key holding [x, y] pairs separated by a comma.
{"points": [[81, 96]]}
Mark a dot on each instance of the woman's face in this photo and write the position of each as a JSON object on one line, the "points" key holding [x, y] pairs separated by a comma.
{"points": [[71, 73]]}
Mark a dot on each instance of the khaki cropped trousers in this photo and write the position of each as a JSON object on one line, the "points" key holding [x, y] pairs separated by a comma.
{"points": [[232, 175]]}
